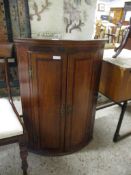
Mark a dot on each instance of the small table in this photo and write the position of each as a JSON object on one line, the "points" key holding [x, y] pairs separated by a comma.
{"points": [[115, 82]]}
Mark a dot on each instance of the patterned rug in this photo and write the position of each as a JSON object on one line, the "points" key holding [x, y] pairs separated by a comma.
{"points": [[14, 83], [15, 92]]}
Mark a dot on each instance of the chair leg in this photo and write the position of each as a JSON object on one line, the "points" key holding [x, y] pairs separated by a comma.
{"points": [[23, 153]]}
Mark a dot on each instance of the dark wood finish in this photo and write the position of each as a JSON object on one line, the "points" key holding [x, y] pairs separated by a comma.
{"points": [[114, 78], [6, 50], [117, 136], [115, 82], [59, 95], [5, 53], [80, 94], [23, 142], [78, 91], [48, 92]]}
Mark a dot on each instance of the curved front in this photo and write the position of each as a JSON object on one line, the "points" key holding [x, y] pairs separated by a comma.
{"points": [[59, 83]]}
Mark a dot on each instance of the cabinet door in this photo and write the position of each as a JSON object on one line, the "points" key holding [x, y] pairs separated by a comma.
{"points": [[79, 94], [48, 99]]}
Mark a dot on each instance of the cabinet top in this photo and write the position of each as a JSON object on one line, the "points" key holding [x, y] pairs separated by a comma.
{"points": [[28, 41]]}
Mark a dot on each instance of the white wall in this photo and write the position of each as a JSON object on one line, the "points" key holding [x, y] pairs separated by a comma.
{"points": [[105, 12], [110, 4], [52, 22], [118, 3]]}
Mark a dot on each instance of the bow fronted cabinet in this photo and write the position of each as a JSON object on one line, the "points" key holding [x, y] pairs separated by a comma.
{"points": [[59, 83]]}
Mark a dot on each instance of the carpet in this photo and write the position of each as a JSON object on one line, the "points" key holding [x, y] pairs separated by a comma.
{"points": [[13, 76], [15, 92], [100, 157]]}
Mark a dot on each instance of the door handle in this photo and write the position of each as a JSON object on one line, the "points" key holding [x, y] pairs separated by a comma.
{"points": [[69, 109], [62, 111], [66, 110]]}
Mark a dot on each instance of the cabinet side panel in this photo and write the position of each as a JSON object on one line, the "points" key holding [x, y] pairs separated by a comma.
{"points": [[23, 70], [97, 64]]}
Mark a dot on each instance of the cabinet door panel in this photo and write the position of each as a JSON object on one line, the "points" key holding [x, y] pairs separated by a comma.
{"points": [[78, 99], [48, 98]]}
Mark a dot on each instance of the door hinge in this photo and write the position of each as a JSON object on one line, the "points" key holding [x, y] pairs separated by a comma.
{"points": [[30, 72]]}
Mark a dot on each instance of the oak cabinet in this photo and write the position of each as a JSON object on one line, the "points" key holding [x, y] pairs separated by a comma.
{"points": [[59, 84], [119, 77]]}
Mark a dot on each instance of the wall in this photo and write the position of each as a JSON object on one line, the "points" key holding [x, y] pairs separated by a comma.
{"points": [[117, 3], [62, 19], [110, 4], [105, 11]]}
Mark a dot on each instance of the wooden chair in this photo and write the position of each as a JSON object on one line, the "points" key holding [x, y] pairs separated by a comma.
{"points": [[115, 82], [11, 126], [126, 42]]}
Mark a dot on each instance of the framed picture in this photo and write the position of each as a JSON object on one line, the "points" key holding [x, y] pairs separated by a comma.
{"points": [[101, 7]]}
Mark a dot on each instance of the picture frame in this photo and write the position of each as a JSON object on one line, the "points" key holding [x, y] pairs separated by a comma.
{"points": [[101, 7]]}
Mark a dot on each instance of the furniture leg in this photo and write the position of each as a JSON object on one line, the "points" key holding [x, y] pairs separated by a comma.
{"points": [[23, 153], [117, 136]]}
